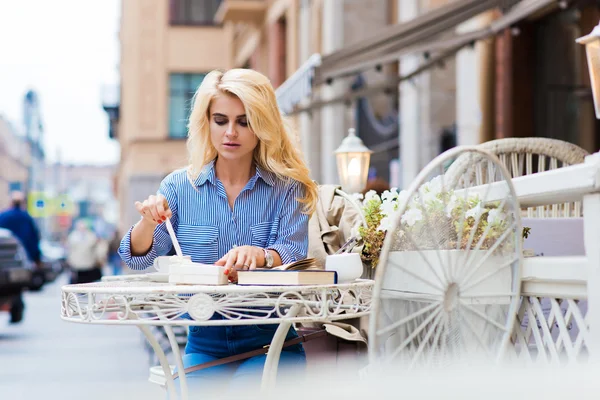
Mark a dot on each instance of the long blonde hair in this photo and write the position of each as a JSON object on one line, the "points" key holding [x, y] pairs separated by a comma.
{"points": [[275, 151]]}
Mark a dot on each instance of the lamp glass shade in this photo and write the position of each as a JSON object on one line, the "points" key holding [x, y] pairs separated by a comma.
{"points": [[592, 48], [353, 169]]}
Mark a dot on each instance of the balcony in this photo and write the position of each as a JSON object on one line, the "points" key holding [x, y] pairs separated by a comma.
{"points": [[242, 11]]}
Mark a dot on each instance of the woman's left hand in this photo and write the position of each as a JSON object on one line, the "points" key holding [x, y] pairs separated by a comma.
{"points": [[241, 258]]}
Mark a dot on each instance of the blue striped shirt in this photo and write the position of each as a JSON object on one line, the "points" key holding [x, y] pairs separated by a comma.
{"points": [[266, 214]]}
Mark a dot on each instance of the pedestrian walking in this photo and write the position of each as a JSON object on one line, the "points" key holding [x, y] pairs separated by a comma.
{"points": [[84, 254], [17, 220]]}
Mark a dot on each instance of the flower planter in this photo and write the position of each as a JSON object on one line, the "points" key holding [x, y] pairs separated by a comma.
{"points": [[431, 273]]}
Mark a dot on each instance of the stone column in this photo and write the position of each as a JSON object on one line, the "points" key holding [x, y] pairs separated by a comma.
{"points": [[332, 116], [310, 141], [474, 83], [305, 35], [413, 107]]}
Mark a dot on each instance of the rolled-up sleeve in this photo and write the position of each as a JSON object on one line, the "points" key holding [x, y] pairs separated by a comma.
{"points": [[292, 239], [161, 241]]}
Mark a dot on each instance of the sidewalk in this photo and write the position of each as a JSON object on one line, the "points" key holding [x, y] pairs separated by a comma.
{"points": [[47, 358]]}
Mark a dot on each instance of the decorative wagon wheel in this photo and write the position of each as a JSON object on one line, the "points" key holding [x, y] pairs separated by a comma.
{"points": [[447, 286]]}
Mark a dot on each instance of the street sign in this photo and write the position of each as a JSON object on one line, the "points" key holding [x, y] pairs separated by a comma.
{"points": [[63, 205], [38, 205]]}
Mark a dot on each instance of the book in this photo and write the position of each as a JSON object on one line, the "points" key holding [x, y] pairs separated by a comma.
{"points": [[301, 272], [300, 265], [192, 273], [278, 277], [186, 272]]}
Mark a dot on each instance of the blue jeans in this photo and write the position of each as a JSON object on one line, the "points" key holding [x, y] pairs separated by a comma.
{"points": [[216, 342]]}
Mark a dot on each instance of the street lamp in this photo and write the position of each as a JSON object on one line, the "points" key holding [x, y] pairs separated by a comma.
{"points": [[353, 163], [592, 48]]}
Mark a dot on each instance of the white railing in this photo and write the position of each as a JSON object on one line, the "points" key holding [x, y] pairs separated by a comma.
{"points": [[553, 323], [298, 86], [552, 326], [562, 185]]}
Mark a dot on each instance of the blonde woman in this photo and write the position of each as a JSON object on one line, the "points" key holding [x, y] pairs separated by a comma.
{"points": [[244, 202]]}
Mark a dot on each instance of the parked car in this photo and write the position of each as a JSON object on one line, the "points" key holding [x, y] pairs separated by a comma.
{"points": [[54, 259], [16, 271]]}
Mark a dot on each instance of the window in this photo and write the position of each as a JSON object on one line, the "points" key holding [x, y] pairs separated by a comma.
{"points": [[181, 91], [193, 12]]}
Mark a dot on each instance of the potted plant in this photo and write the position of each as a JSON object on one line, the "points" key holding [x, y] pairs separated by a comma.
{"points": [[444, 237]]}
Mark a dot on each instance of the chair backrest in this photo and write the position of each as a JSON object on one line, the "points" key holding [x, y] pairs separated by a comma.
{"points": [[526, 156]]}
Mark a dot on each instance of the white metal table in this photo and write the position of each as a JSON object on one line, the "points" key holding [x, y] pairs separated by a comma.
{"points": [[143, 303]]}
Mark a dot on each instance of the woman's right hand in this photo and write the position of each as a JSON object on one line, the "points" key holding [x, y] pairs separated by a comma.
{"points": [[154, 210]]}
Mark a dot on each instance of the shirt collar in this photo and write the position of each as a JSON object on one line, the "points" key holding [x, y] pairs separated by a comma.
{"points": [[208, 174], [265, 175]]}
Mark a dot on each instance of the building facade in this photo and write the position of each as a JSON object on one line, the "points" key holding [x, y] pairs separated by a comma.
{"points": [[34, 134], [281, 38], [15, 161], [166, 49], [414, 77], [456, 72]]}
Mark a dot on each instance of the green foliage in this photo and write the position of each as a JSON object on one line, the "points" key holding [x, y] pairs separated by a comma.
{"points": [[435, 220]]}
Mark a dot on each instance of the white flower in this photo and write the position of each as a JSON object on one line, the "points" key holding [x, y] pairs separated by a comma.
{"points": [[411, 216], [475, 211], [435, 185], [430, 191], [371, 195], [358, 196], [495, 216], [430, 198], [402, 197], [388, 207], [385, 224], [391, 195], [451, 205]]}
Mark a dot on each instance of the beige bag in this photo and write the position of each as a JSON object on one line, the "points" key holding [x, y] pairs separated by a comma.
{"points": [[334, 221]]}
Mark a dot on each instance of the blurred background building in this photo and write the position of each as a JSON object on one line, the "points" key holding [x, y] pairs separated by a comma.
{"points": [[167, 47], [34, 135], [414, 77], [15, 161], [81, 192], [57, 194]]}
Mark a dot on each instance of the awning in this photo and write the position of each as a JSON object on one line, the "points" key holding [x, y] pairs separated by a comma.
{"points": [[386, 45], [441, 49], [299, 86]]}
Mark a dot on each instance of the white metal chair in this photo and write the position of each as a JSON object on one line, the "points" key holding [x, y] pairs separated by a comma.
{"points": [[526, 156]]}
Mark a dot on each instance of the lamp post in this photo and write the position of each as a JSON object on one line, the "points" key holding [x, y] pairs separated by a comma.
{"points": [[353, 159], [592, 48]]}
